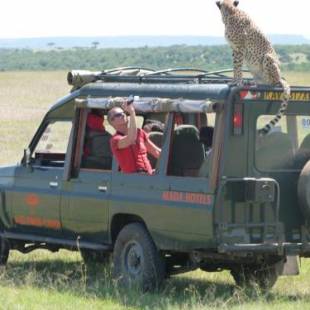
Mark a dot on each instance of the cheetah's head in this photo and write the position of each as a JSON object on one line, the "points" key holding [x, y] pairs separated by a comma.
{"points": [[227, 8]]}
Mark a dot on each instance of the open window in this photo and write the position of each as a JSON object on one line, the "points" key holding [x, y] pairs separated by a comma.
{"points": [[154, 125], [188, 151], [96, 152], [90, 142], [191, 144], [286, 146]]}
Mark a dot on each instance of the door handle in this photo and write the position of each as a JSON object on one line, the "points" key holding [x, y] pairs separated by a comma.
{"points": [[53, 184], [102, 188]]}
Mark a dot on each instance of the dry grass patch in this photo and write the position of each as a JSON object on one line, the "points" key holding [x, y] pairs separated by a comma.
{"points": [[24, 99]]}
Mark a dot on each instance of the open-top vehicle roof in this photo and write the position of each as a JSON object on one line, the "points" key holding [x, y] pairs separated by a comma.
{"points": [[186, 89], [181, 89], [149, 104]]}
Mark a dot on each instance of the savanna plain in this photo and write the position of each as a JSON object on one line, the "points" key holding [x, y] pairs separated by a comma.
{"points": [[44, 280]]}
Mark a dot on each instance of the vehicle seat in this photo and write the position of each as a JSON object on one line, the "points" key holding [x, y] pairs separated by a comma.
{"points": [[274, 151], [187, 152], [100, 155], [157, 138]]}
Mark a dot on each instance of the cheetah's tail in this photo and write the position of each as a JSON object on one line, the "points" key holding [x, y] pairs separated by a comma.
{"points": [[286, 96]]}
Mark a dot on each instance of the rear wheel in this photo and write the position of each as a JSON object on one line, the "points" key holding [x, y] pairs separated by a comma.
{"points": [[264, 276], [4, 251], [137, 262]]}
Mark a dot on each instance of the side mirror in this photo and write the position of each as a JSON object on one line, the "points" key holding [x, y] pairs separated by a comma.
{"points": [[27, 158]]}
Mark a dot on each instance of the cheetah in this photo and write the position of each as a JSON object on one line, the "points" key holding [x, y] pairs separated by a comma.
{"points": [[252, 47]]}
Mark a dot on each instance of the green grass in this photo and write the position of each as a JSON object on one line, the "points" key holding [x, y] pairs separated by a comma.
{"points": [[42, 280], [297, 78], [60, 280]]}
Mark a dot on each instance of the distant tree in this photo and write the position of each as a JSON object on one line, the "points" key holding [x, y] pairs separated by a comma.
{"points": [[51, 44], [95, 44]]}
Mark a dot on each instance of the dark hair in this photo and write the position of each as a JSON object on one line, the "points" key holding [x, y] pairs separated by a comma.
{"points": [[154, 125], [98, 112], [206, 135]]}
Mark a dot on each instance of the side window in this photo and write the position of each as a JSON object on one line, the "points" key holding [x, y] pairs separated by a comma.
{"points": [[286, 147], [303, 129], [52, 145], [190, 149], [302, 154], [154, 126], [95, 149], [96, 152]]}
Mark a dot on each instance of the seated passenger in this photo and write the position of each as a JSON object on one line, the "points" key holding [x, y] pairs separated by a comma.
{"points": [[153, 125], [206, 137], [178, 119], [155, 129], [97, 152], [130, 145], [94, 122]]}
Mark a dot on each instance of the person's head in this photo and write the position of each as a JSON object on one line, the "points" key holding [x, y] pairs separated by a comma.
{"points": [[206, 135], [117, 118], [153, 125], [98, 112], [95, 119]]}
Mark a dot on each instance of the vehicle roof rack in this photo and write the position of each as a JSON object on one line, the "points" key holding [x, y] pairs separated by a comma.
{"points": [[79, 78]]}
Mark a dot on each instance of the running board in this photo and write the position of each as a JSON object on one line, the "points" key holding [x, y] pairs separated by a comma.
{"points": [[74, 244]]}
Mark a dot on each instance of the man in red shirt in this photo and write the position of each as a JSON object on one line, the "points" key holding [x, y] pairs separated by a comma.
{"points": [[130, 145]]}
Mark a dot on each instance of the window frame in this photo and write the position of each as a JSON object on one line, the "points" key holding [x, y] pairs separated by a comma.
{"points": [[293, 134], [37, 138]]}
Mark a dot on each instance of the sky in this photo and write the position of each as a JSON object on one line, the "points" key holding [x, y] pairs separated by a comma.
{"points": [[50, 18]]}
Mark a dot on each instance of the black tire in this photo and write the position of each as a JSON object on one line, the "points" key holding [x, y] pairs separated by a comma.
{"points": [[137, 262], [4, 251], [93, 257], [263, 277]]}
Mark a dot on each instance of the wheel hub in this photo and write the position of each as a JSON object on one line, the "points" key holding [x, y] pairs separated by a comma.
{"points": [[134, 258]]}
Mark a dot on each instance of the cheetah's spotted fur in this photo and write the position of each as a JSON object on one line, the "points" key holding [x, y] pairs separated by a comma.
{"points": [[251, 46]]}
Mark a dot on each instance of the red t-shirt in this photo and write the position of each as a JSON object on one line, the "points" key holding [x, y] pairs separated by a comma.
{"points": [[134, 157], [94, 123]]}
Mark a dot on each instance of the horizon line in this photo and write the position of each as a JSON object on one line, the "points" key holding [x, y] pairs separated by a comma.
{"points": [[142, 35]]}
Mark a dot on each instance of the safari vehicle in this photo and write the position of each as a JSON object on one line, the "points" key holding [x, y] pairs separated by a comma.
{"points": [[244, 206]]}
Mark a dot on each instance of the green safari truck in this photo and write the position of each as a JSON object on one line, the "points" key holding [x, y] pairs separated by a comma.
{"points": [[221, 196]]}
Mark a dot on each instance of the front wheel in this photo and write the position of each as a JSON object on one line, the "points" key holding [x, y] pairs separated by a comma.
{"points": [[137, 262]]}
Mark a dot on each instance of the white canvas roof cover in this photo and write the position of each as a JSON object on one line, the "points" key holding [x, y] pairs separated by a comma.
{"points": [[146, 104]]}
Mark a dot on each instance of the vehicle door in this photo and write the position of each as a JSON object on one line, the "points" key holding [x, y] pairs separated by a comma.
{"points": [[37, 185], [175, 204], [84, 207]]}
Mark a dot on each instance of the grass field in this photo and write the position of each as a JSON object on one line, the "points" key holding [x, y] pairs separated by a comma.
{"points": [[41, 280]]}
